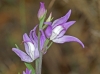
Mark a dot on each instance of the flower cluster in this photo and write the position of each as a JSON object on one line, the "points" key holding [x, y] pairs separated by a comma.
{"points": [[54, 31]]}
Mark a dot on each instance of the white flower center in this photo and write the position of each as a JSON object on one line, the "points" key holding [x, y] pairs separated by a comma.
{"points": [[31, 49], [56, 32]]}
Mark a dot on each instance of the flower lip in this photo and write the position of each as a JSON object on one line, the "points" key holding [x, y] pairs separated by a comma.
{"points": [[31, 50], [56, 31], [29, 46]]}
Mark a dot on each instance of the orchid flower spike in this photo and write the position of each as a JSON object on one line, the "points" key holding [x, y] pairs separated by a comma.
{"points": [[57, 29], [41, 11], [27, 71], [31, 46]]}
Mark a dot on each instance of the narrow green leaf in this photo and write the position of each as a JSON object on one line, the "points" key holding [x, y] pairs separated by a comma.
{"points": [[16, 46], [29, 66], [46, 42], [50, 45], [36, 65]]}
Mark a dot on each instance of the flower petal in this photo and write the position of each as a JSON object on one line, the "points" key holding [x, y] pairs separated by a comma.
{"points": [[48, 31], [29, 47], [42, 39], [24, 57], [26, 38], [33, 36], [62, 19], [56, 31], [61, 33], [68, 24], [67, 38], [36, 53]]}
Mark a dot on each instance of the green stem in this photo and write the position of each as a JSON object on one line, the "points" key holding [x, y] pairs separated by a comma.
{"points": [[40, 53], [36, 65], [40, 63]]}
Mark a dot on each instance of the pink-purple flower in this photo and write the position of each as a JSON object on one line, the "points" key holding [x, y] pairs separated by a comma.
{"points": [[31, 46], [27, 71], [58, 28]]}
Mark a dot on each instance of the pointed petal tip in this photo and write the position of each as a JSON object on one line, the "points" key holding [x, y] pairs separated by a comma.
{"points": [[73, 21], [13, 49], [34, 29], [24, 35], [41, 3], [69, 12], [26, 38], [80, 42], [83, 45]]}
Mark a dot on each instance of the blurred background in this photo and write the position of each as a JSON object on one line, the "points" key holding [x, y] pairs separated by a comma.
{"points": [[20, 16]]}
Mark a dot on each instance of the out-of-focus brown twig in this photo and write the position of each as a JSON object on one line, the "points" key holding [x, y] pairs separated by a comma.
{"points": [[51, 4]]}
